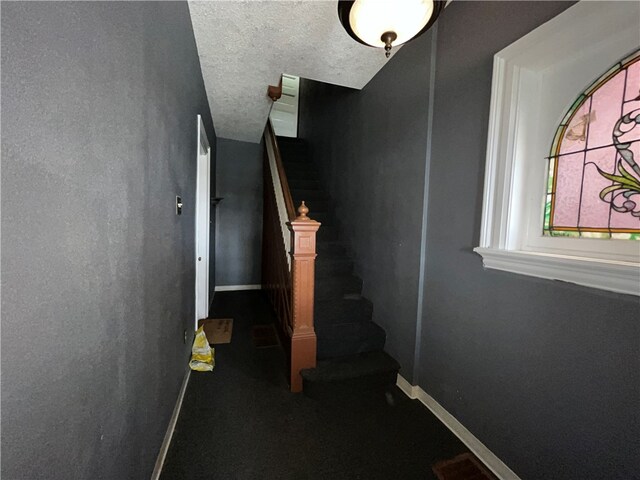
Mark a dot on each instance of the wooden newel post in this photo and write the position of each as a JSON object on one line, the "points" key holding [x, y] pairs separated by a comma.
{"points": [[303, 259]]}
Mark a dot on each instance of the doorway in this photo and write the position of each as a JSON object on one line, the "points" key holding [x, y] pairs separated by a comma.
{"points": [[284, 112], [203, 188]]}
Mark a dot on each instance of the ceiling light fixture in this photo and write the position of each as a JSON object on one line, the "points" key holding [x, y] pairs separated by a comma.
{"points": [[387, 23]]}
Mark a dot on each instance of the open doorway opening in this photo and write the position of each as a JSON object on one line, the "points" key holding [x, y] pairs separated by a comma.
{"points": [[203, 187], [284, 112]]}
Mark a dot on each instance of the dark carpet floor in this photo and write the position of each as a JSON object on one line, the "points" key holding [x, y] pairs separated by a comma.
{"points": [[241, 422]]}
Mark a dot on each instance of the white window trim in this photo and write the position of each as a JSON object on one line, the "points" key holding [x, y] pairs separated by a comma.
{"points": [[576, 46]]}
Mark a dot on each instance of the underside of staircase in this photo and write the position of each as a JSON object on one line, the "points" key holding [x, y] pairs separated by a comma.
{"points": [[350, 345]]}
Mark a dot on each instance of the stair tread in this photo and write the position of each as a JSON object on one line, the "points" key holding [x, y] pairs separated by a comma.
{"points": [[327, 233], [337, 311], [295, 140], [312, 191], [332, 265], [303, 184], [308, 195], [334, 257], [336, 287], [345, 277], [346, 328], [351, 366], [323, 218], [298, 166], [337, 244], [335, 340]]}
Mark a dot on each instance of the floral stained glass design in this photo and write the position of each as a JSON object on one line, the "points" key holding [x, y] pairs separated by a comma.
{"points": [[593, 187]]}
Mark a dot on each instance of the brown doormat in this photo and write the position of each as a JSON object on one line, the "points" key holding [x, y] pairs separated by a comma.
{"points": [[264, 336], [217, 330], [462, 467]]}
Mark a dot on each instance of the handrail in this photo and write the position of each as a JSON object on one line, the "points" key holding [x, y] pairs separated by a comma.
{"points": [[288, 262], [288, 201]]}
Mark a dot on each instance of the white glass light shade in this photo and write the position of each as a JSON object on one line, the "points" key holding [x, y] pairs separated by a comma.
{"points": [[369, 19]]}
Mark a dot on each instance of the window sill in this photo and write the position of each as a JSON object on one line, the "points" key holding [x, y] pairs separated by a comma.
{"points": [[615, 276]]}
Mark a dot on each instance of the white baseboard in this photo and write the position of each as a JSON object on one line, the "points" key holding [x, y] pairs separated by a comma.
{"points": [[164, 448], [485, 455], [233, 288], [406, 387]]}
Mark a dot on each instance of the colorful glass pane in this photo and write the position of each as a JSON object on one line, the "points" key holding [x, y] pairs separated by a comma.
{"points": [[593, 184]]}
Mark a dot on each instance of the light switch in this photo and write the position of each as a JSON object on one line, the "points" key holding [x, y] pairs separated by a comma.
{"points": [[178, 205]]}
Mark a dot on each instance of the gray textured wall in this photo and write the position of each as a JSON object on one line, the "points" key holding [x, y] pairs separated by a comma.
{"points": [[370, 147], [239, 215], [99, 104], [545, 373], [213, 218]]}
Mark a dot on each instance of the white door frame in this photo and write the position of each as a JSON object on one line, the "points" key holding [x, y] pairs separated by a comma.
{"points": [[202, 219]]}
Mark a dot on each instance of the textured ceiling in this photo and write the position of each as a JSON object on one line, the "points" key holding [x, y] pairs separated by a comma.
{"points": [[244, 46]]}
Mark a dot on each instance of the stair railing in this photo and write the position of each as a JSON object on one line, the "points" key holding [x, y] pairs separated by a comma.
{"points": [[289, 279]]}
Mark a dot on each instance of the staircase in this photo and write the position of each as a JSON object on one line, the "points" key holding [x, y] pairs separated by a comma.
{"points": [[349, 344]]}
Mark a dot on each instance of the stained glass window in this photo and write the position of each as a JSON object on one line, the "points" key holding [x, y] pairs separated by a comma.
{"points": [[593, 187]]}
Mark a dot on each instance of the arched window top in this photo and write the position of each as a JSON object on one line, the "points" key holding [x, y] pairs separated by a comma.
{"points": [[536, 80], [593, 187]]}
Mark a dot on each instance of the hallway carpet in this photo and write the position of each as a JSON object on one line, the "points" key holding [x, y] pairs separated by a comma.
{"points": [[241, 422]]}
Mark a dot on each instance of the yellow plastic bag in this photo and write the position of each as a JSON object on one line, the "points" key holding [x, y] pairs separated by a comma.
{"points": [[201, 353]]}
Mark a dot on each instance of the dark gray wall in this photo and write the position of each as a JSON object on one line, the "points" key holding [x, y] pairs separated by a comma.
{"points": [[370, 147], [239, 240], [99, 104], [546, 374], [213, 219]]}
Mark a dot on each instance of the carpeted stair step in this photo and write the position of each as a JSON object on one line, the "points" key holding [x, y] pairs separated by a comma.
{"points": [[296, 162], [316, 200], [303, 183], [349, 338], [363, 371], [337, 287], [296, 166], [327, 233], [333, 265], [315, 205], [324, 217], [300, 171], [308, 195], [330, 247], [341, 310], [349, 367], [294, 155]]}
